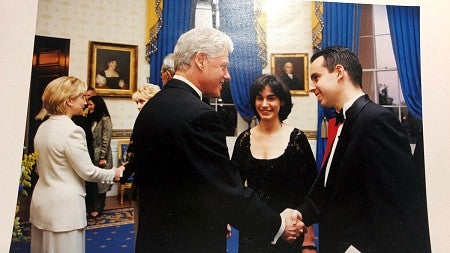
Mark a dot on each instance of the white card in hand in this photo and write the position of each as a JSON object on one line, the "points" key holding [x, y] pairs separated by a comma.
{"points": [[352, 249]]}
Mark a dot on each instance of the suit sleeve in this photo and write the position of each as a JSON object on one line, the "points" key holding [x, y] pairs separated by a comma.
{"points": [[203, 142], [78, 157], [394, 183], [130, 167]]}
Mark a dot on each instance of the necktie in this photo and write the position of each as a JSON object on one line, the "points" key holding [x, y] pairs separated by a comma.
{"points": [[339, 117], [332, 131]]}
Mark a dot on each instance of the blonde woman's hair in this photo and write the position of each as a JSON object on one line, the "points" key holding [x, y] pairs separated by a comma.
{"points": [[41, 115], [145, 92], [58, 91]]}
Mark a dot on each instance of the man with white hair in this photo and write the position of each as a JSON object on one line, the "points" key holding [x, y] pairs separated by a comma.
{"points": [[188, 189]]}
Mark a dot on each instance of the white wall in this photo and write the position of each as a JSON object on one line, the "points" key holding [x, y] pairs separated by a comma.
{"points": [[117, 22], [114, 21], [289, 31], [15, 68]]}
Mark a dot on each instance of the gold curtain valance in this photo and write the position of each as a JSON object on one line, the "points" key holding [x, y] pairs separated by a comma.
{"points": [[153, 25], [317, 24]]}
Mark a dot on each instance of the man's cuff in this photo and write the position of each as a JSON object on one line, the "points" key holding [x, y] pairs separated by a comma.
{"points": [[280, 231]]}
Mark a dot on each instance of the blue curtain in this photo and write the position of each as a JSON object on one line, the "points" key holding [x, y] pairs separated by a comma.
{"points": [[177, 18], [404, 24], [342, 24], [237, 21]]}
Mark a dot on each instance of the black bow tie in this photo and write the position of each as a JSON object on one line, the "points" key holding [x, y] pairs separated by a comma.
{"points": [[339, 117]]}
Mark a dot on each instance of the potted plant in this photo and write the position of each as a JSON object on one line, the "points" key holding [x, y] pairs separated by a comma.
{"points": [[28, 162]]}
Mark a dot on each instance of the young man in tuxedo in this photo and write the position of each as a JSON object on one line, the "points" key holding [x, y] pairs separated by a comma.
{"points": [[369, 196]]}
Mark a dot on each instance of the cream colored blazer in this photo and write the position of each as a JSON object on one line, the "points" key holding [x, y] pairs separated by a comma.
{"points": [[63, 165]]}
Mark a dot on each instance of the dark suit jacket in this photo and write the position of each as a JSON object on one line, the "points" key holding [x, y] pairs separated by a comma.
{"points": [[375, 195], [188, 189]]}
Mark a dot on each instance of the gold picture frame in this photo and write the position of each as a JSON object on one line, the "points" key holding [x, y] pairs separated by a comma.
{"points": [[112, 69], [122, 147], [298, 82]]}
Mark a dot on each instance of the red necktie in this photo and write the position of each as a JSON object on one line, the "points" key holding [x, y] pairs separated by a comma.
{"points": [[333, 126]]}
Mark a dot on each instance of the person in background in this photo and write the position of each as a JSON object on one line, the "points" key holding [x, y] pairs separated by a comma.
{"points": [[167, 69], [141, 97], [275, 160], [83, 122], [144, 94], [57, 210], [369, 195], [101, 127], [188, 189], [89, 93]]}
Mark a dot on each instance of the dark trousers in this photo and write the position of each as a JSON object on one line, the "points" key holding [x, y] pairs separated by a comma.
{"points": [[95, 201]]}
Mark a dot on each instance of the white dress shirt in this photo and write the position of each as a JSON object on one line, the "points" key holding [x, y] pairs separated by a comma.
{"points": [[182, 78], [347, 105]]}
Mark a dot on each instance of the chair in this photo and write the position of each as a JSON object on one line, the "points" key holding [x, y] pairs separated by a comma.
{"points": [[126, 189]]}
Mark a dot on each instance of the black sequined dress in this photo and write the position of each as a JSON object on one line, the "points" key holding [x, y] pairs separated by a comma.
{"points": [[282, 182]]}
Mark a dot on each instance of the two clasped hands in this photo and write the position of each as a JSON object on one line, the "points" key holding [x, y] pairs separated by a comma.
{"points": [[294, 226], [119, 173]]}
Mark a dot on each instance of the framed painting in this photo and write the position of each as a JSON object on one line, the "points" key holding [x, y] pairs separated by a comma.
{"points": [[112, 69], [122, 147], [293, 70]]}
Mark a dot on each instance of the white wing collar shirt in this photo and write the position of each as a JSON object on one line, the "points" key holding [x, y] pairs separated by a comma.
{"points": [[347, 105]]}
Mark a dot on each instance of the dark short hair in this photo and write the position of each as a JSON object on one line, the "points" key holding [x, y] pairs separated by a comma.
{"points": [[335, 55], [278, 88]]}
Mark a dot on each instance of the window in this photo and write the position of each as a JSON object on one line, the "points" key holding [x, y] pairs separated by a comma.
{"points": [[380, 76]]}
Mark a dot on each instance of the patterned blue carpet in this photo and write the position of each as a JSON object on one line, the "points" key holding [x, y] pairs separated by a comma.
{"points": [[113, 232], [116, 239]]}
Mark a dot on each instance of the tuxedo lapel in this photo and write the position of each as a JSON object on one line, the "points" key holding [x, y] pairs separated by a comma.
{"points": [[345, 137]]}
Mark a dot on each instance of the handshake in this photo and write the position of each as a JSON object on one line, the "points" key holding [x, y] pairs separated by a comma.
{"points": [[294, 227], [119, 173]]}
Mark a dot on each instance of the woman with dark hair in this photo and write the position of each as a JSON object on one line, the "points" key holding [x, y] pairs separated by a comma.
{"points": [[275, 160], [101, 132]]}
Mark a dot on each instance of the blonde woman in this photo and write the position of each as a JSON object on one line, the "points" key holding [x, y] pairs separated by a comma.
{"points": [[144, 93], [58, 211]]}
